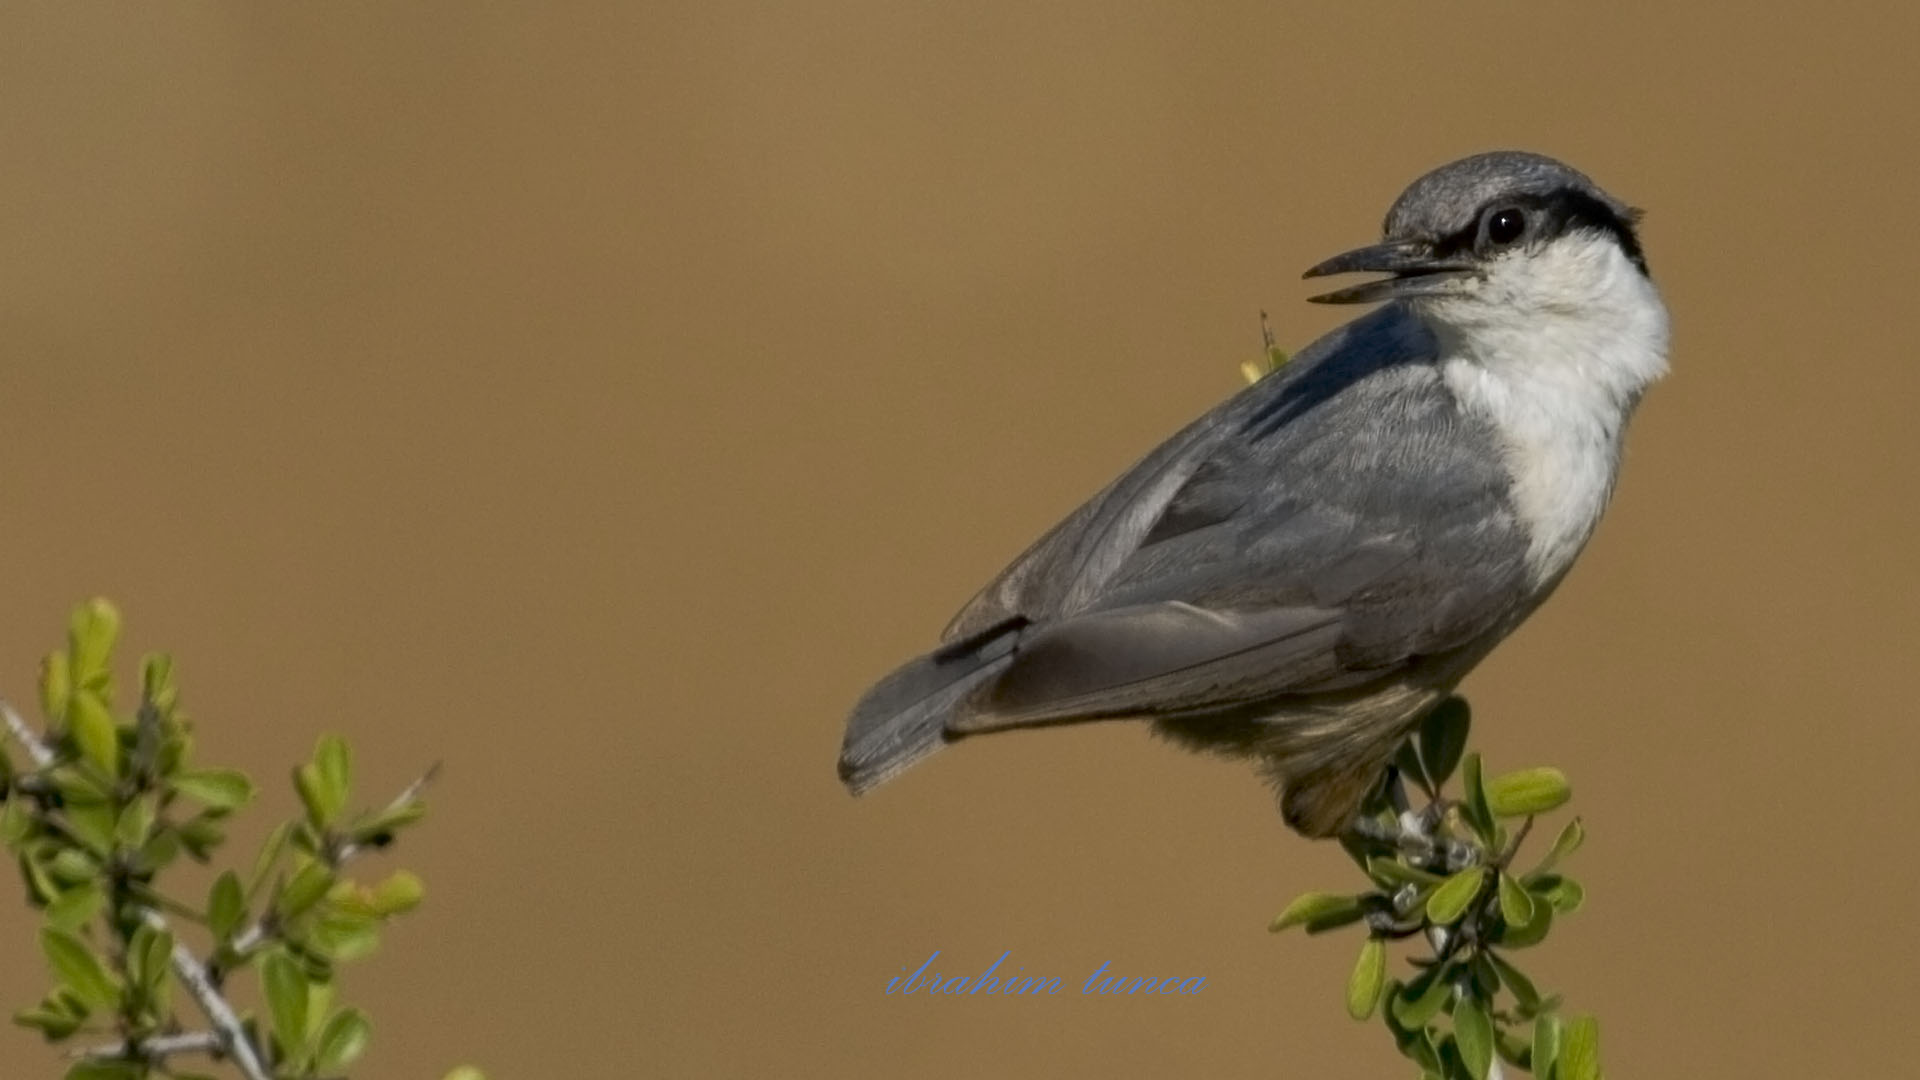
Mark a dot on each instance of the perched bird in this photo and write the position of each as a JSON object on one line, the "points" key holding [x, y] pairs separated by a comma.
{"points": [[1303, 572]]}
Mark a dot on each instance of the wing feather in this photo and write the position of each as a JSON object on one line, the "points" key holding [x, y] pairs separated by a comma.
{"points": [[1326, 527]]}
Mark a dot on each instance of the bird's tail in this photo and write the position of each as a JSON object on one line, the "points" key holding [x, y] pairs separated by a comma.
{"points": [[904, 717]]}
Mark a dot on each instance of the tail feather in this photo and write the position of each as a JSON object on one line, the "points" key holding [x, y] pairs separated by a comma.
{"points": [[904, 717]]}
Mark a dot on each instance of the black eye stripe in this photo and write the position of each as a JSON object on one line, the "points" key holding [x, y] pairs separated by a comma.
{"points": [[1579, 210], [1552, 215]]}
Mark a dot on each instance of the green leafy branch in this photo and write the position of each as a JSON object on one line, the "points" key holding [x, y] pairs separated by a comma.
{"points": [[1272, 356], [1446, 874], [109, 803]]}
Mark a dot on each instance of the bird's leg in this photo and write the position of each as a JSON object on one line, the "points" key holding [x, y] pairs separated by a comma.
{"points": [[1403, 919], [1415, 834]]}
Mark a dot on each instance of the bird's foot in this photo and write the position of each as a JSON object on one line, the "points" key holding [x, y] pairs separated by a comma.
{"points": [[1418, 836]]}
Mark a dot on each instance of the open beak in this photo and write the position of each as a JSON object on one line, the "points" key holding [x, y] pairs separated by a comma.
{"points": [[1416, 271]]}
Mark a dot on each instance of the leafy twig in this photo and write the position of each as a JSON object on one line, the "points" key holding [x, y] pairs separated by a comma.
{"points": [[187, 968], [1444, 872], [226, 1025], [232, 1038], [264, 928]]}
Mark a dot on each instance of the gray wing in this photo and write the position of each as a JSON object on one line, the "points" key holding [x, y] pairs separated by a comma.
{"points": [[1324, 528]]}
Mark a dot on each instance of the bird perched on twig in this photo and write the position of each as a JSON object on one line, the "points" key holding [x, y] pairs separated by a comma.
{"points": [[1302, 573]]}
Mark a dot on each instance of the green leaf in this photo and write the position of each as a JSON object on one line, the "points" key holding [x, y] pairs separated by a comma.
{"points": [[1475, 806], [1473, 1030], [307, 886], [1412, 1040], [63, 999], [157, 687], [149, 965], [343, 937], [334, 759], [171, 758], [1450, 901], [1515, 905], [286, 987], [342, 1041], [1418, 1048], [1422, 999], [271, 849], [1406, 761], [16, 822], [378, 829], [78, 784], [1520, 937], [136, 821], [1513, 979], [92, 824], [1511, 1047], [220, 789], [75, 966], [1390, 872], [1443, 738], [1275, 359], [322, 801], [41, 888], [401, 892], [160, 849], [1318, 911], [1369, 975], [77, 906], [72, 866], [319, 1002], [91, 633], [1580, 1051], [1565, 894], [94, 732], [1486, 981], [1529, 791], [352, 898], [465, 1072], [1547, 1004], [226, 906], [50, 1021], [1568, 842], [1546, 1043], [56, 687]]}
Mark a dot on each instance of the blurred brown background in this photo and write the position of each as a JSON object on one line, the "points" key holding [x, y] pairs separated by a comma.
{"points": [[599, 397]]}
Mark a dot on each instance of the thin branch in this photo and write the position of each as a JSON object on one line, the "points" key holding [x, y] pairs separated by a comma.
{"points": [[413, 791], [249, 939], [36, 747], [1519, 837], [154, 1049], [262, 928], [233, 1038], [409, 795], [186, 967]]}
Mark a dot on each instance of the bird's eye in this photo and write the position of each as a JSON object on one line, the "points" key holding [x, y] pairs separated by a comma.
{"points": [[1506, 226]]}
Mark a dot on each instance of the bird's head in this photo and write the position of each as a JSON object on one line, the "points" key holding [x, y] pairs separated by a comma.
{"points": [[1501, 238]]}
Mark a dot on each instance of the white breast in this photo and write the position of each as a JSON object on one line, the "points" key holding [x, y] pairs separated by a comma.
{"points": [[1554, 349]]}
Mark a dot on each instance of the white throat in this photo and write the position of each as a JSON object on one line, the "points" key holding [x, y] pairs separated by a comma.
{"points": [[1553, 347]]}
